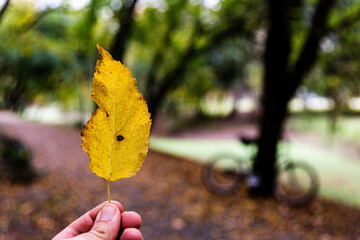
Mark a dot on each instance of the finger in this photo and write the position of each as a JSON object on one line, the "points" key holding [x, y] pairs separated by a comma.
{"points": [[130, 219], [106, 225], [85, 222], [131, 234], [94, 212]]}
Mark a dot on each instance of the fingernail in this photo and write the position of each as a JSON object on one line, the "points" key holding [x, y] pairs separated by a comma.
{"points": [[107, 213]]}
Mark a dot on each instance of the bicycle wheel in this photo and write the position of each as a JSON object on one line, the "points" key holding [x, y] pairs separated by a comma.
{"points": [[224, 174], [297, 184]]}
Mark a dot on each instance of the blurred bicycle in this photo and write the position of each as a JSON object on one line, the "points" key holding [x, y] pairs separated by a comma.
{"points": [[297, 183]]}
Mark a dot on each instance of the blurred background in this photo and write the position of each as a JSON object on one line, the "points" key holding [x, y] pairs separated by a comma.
{"points": [[210, 71]]}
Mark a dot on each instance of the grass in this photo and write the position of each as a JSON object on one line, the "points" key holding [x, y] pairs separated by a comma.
{"points": [[339, 176], [347, 127]]}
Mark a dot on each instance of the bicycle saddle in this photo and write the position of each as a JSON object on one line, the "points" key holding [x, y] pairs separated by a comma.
{"points": [[248, 140]]}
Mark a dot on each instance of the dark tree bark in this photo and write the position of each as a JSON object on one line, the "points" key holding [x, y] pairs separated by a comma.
{"points": [[15, 98], [276, 61], [126, 20], [281, 81]]}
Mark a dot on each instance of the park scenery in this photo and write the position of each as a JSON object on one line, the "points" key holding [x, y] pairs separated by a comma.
{"points": [[212, 119]]}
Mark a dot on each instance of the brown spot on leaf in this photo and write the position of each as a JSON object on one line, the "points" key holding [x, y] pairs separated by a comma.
{"points": [[119, 138]]}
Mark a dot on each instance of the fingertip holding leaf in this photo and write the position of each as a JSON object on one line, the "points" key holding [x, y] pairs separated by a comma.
{"points": [[116, 137]]}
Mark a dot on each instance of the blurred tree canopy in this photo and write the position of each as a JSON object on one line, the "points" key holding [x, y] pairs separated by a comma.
{"points": [[178, 50], [46, 54], [191, 50], [338, 66]]}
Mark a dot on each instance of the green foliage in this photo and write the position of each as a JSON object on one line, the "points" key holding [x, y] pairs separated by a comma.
{"points": [[338, 66], [192, 49], [178, 50], [46, 55]]}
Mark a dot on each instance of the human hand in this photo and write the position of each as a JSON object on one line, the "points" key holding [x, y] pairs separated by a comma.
{"points": [[106, 221]]}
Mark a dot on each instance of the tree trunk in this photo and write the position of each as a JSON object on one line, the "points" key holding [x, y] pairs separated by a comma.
{"points": [[271, 127], [126, 20], [280, 83]]}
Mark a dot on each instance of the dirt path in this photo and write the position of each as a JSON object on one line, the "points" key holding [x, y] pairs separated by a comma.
{"points": [[167, 192]]}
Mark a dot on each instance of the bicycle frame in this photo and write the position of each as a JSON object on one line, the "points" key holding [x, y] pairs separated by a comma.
{"points": [[283, 152]]}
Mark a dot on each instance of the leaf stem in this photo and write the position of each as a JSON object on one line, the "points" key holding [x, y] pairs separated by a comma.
{"points": [[108, 189]]}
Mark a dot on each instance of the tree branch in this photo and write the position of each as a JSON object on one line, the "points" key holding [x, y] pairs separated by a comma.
{"points": [[159, 56], [310, 49], [234, 28], [38, 18], [3, 10], [173, 77]]}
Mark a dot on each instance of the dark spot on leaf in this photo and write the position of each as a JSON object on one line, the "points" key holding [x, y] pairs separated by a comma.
{"points": [[119, 138], [107, 115]]}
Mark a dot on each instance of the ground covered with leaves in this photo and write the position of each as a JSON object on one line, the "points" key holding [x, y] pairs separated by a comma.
{"points": [[167, 192]]}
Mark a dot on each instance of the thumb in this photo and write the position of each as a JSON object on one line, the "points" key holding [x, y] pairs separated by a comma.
{"points": [[106, 226]]}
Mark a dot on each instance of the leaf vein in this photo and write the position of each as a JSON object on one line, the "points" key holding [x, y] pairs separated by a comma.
{"points": [[126, 148]]}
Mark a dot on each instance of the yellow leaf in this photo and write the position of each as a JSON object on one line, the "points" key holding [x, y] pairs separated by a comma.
{"points": [[116, 137]]}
